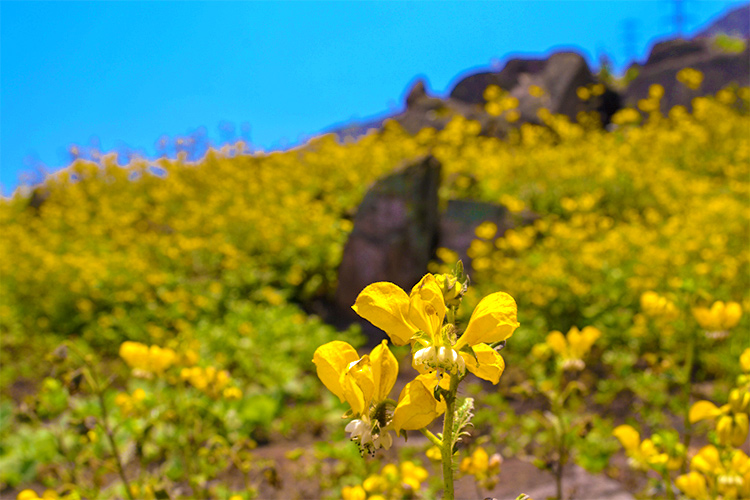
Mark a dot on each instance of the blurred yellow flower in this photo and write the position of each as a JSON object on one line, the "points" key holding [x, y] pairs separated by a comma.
{"points": [[657, 306], [732, 419], [693, 484], [573, 347], [719, 318], [146, 360], [691, 78]]}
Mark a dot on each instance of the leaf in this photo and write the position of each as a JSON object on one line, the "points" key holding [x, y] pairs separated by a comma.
{"points": [[462, 419]]}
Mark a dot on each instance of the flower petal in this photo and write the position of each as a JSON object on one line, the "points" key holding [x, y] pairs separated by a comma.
{"points": [[629, 437], [493, 320], [427, 306], [384, 370], [386, 306], [491, 364], [693, 484], [557, 342], [417, 407], [703, 410], [732, 314], [357, 385], [331, 360]]}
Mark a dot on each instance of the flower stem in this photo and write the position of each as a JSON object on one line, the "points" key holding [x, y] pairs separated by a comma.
{"points": [[432, 437], [91, 378], [687, 389], [447, 445]]}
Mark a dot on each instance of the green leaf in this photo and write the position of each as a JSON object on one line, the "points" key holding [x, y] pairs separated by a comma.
{"points": [[462, 419]]}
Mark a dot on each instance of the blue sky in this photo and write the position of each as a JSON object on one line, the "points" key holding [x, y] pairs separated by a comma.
{"points": [[126, 73]]}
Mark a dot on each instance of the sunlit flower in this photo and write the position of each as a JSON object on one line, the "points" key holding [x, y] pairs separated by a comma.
{"points": [[418, 319], [417, 406], [364, 383]]}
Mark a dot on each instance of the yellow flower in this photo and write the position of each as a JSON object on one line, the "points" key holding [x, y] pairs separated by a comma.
{"points": [[434, 453], [418, 319], [412, 475], [652, 453], [353, 493], [732, 421], [483, 467], [656, 306], [693, 484], [719, 318], [146, 360], [364, 383], [477, 463], [690, 77], [573, 348], [401, 316], [232, 393], [417, 407], [27, 495], [745, 360]]}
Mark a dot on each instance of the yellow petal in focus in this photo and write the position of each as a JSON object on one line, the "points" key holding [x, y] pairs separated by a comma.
{"points": [[358, 385], [703, 410], [429, 291], [493, 320], [386, 306], [427, 306], [384, 370], [417, 407], [331, 360], [491, 364]]}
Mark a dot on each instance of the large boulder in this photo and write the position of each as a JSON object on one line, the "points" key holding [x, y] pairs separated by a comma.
{"points": [[560, 76], [459, 222], [719, 66], [734, 23], [394, 233]]}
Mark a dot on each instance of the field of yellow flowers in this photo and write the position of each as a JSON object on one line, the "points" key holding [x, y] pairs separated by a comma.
{"points": [[154, 335]]}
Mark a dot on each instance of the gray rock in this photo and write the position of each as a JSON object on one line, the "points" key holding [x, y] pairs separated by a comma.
{"points": [[719, 67], [462, 217], [559, 76], [394, 232], [734, 23]]}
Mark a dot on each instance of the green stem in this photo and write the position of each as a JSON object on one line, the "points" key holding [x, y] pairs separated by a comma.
{"points": [[447, 448], [90, 374], [686, 391], [432, 437], [668, 485]]}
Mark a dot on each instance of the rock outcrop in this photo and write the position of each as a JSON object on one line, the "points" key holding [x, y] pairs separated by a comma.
{"points": [[719, 67], [461, 218], [559, 76], [394, 232]]}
